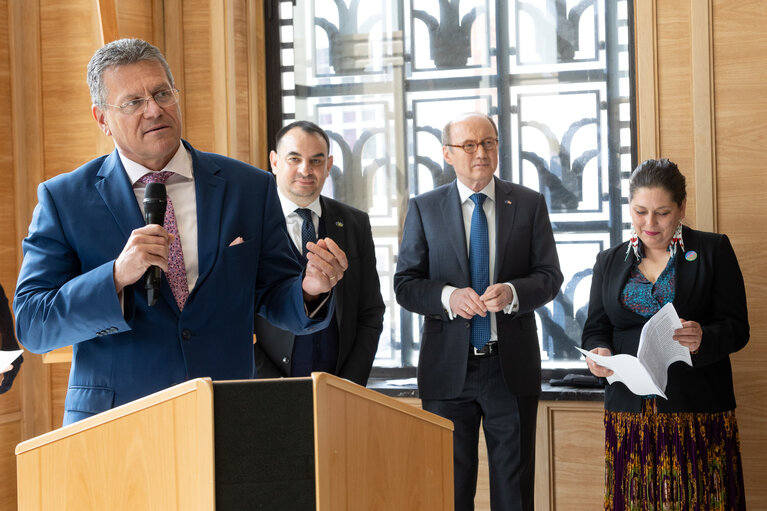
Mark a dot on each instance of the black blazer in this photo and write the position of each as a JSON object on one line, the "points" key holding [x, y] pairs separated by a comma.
{"points": [[7, 342], [709, 290], [359, 306], [433, 254]]}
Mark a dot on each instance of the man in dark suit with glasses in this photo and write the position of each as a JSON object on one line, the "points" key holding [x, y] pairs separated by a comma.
{"points": [[477, 258]]}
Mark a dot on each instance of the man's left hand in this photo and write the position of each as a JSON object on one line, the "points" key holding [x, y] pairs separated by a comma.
{"points": [[497, 297], [326, 266]]}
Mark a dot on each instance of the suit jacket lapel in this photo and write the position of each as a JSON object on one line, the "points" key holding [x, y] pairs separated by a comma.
{"points": [[209, 188], [454, 230], [505, 212], [335, 230], [686, 271], [117, 192]]}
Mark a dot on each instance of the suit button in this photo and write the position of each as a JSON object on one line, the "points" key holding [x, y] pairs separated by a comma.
{"points": [[285, 360], [467, 324], [186, 334]]}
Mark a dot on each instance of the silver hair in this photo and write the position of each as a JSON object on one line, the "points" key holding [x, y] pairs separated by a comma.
{"points": [[121, 52]]}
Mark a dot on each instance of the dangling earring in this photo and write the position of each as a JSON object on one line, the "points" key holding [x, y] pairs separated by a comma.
{"points": [[676, 239], [633, 244]]}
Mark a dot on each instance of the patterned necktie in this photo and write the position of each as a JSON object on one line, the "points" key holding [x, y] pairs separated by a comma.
{"points": [[307, 229], [479, 263], [176, 269]]}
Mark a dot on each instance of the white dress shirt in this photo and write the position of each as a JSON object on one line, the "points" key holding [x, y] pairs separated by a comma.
{"points": [[295, 221], [181, 191], [467, 209]]}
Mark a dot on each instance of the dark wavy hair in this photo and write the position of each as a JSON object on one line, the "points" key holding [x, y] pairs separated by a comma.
{"points": [[661, 173]]}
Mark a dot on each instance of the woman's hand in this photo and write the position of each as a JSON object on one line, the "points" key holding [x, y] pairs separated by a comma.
{"points": [[690, 335], [596, 369]]}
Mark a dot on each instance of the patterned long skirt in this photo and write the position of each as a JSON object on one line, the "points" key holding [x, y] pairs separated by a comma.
{"points": [[672, 461]]}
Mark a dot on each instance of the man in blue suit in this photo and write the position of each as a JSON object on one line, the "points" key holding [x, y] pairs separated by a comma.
{"points": [[477, 258], [223, 249]]}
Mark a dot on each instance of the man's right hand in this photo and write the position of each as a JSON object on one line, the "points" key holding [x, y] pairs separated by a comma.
{"points": [[466, 303], [147, 246]]}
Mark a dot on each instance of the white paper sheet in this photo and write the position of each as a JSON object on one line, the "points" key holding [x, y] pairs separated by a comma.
{"points": [[7, 357], [647, 373]]}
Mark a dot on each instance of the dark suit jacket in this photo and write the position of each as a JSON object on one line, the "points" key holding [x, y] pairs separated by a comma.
{"points": [[66, 293], [433, 254], [359, 307], [7, 342], [709, 290]]}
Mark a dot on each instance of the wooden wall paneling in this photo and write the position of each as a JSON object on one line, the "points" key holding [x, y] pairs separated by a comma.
{"points": [[703, 115], [675, 120], [740, 85], [569, 469], [256, 56], [28, 171], [240, 89], [135, 18], [106, 10], [8, 236], [648, 136], [172, 46], [218, 66], [201, 102], [69, 36], [59, 381], [10, 433], [215, 46]]}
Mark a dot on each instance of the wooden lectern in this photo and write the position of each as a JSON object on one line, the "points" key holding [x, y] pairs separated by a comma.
{"points": [[288, 444]]}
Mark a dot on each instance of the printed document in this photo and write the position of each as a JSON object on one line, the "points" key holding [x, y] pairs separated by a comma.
{"points": [[7, 357], [647, 373]]}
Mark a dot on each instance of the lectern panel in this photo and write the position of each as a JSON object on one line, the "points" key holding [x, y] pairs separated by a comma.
{"points": [[264, 445]]}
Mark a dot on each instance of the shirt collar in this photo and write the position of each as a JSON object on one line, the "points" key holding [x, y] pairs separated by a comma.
{"points": [[180, 164], [289, 207], [464, 192]]}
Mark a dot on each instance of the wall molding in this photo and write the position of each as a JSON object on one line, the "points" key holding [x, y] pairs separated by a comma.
{"points": [[28, 171], [646, 44], [704, 134]]}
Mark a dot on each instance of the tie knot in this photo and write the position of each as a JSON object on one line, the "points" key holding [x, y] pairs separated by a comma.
{"points": [[156, 177], [305, 213], [478, 198]]}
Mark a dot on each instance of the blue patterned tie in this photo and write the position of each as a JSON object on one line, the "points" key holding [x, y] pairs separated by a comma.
{"points": [[479, 263], [307, 229]]}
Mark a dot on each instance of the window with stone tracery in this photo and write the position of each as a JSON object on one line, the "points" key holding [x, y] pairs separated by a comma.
{"points": [[384, 76]]}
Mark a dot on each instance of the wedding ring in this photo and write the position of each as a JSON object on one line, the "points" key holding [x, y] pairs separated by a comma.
{"points": [[332, 277]]}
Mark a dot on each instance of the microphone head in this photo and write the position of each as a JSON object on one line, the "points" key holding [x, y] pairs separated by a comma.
{"points": [[155, 201]]}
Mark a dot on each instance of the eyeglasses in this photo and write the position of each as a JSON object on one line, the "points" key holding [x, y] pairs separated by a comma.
{"points": [[488, 144], [163, 98]]}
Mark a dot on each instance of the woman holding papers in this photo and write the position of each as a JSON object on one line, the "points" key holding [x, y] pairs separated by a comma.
{"points": [[7, 343], [682, 452]]}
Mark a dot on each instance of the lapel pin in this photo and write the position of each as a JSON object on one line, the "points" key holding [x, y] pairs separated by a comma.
{"points": [[339, 223], [507, 202], [691, 255]]}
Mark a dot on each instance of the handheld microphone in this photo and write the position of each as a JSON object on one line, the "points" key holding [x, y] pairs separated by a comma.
{"points": [[155, 201]]}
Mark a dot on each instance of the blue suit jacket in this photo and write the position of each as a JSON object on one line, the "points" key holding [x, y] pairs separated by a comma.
{"points": [[66, 295], [433, 254]]}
